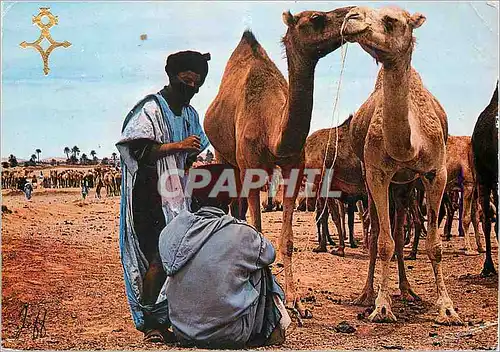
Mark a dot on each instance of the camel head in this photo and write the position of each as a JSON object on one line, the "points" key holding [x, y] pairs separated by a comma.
{"points": [[386, 34], [314, 34]]}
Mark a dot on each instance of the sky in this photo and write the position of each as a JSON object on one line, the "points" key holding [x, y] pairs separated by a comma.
{"points": [[95, 82]]}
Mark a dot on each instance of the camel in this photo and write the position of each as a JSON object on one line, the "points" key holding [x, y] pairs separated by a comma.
{"points": [[347, 172], [460, 180], [485, 156], [258, 121], [400, 135], [460, 168]]}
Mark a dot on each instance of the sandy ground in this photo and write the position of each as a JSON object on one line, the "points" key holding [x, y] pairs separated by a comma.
{"points": [[61, 256]]}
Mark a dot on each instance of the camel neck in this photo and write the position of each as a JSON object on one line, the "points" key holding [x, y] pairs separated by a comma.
{"points": [[296, 121], [397, 124]]}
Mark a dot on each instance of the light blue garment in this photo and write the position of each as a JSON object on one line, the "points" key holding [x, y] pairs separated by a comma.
{"points": [[217, 286], [151, 119]]}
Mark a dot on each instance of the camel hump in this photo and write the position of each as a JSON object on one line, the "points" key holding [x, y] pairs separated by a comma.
{"points": [[250, 39]]}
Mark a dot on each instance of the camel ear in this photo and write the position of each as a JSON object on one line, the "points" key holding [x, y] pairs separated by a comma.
{"points": [[288, 18], [207, 56], [416, 20]]}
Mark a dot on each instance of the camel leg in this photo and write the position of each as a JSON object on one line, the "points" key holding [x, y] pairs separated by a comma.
{"points": [[402, 203], [434, 187], [450, 213], [413, 215], [322, 226], [350, 221], [475, 223], [378, 183], [466, 219], [484, 196], [367, 296], [495, 200], [359, 205], [286, 241], [338, 217]]}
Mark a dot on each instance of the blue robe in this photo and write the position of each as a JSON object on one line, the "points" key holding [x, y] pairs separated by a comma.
{"points": [[151, 120]]}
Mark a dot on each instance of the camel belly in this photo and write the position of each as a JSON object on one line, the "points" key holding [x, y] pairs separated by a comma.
{"points": [[404, 176]]}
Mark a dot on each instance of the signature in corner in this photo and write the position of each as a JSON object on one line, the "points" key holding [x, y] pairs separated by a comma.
{"points": [[37, 326]]}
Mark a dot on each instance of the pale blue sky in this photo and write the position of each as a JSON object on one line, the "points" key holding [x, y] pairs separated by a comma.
{"points": [[96, 81]]}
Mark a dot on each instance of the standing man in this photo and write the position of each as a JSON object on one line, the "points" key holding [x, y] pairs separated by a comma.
{"points": [[28, 188], [159, 136]]}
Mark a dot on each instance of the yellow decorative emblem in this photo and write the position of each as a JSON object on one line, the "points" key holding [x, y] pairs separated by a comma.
{"points": [[45, 34]]}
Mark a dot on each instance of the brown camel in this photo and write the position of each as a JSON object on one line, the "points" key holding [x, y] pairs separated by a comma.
{"points": [[258, 121], [460, 180], [400, 134], [485, 152], [460, 167], [347, 172]]}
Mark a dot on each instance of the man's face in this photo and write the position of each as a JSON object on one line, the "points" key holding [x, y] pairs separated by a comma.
{"points": [[186, 84]]}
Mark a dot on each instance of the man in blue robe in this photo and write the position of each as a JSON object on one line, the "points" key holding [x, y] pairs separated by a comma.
{"points": [[160, 136]]}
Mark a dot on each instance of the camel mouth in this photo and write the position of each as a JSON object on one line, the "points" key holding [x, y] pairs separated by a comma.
{"points": [[352, 34]]}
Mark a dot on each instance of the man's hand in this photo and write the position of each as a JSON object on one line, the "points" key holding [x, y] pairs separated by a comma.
{"points": [[190, 144]]}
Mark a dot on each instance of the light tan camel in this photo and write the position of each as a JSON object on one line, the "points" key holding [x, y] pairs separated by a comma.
{"points": [[400, 134], [258, 121]]}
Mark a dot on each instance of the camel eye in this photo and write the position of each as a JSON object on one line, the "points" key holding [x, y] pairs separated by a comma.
{"points": [[389, 23], [318, 21]]}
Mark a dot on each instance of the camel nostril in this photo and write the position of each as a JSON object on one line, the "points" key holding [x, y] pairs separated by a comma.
{"points": [[384, 311], [448, 313]]}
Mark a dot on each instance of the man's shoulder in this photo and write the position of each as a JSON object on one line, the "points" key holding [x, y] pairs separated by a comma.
{"points": [[191, 110], [244, 227]]}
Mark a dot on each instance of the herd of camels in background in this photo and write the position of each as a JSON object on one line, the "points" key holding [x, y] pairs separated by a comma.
{"points": [[394, 151]]}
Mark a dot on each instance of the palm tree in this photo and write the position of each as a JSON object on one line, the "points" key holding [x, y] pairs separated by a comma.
{"points": [[93, 154], [38, 151], [113, 157], [84, 159], [75, 150], [67, 151], [33, 158]]}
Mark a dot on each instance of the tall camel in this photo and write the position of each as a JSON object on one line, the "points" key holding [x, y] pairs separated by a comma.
{"points": [[258, 121], [400, 134], [485, 151]]}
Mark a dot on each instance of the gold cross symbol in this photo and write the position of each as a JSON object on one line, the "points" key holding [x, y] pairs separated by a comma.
{"points": [[45, 34]]}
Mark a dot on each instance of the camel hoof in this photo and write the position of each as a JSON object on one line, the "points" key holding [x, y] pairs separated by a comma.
{"points": [[319, 249], [382, 314], [410, 296], [338, 252], [488, 270], [448, 316], [366, 299], [411, 256]]}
